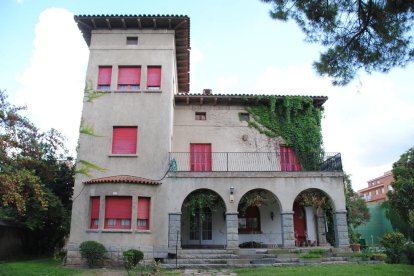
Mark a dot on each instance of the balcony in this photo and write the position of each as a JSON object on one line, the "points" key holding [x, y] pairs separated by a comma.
{"points": [[253, 162]]}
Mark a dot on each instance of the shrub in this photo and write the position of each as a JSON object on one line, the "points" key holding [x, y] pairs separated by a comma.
{"points": [[394, 246], [378, 257], [365, 255], [93, 252], [131, 258], [409, 252]]}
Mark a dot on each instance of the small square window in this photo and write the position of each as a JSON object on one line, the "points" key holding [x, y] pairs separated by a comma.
{"points": [[132, 40], [142, 223], [244, 117], [200, 116], [111, 222], [125, 222]]}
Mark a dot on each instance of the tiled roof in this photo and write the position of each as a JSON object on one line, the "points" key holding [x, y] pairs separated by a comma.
{"points": [[122, 179], [180, 24], [192, 98]]}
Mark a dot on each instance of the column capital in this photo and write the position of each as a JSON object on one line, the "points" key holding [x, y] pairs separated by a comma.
{"points": [[232, 213], [287, 213]]}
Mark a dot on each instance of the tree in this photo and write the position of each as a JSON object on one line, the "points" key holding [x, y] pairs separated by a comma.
{"points": [[35, 185], [360, 34], [401, 199], [356, 207]]}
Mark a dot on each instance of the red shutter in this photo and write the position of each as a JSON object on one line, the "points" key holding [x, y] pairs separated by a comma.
{"points": [[95, 207], [94, 212], [154, 76], [124, 140], [200, 157], [288, 160], [104, 77], [129, 75], [143, 212], [143, 208], [118, 207]]}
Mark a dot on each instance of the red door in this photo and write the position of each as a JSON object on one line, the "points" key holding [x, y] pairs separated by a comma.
{"points": [[299, 223], [200, 157]]}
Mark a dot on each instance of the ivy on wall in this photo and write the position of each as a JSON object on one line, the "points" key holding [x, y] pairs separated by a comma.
{"points": [[198, 201], [296, 120], [83, 166]]}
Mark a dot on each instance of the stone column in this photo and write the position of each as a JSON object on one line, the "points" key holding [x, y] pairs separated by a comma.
{"points": [[288, 236], [232, 223], [174, 230], [321, 222], [341, 229]]}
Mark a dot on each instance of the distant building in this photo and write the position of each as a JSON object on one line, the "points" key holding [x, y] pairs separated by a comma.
{"points": [[377, 188]]}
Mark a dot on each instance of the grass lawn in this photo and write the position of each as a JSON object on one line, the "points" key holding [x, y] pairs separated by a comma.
{"points": [[337, 270]]}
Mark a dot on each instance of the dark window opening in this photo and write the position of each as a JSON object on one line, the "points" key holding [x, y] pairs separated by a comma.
{"points": [[132, 40], [249, 222], [200, 116], [244, 117]]}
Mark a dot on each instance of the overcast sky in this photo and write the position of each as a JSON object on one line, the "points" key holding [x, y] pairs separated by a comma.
{"points": [[235, 48]]}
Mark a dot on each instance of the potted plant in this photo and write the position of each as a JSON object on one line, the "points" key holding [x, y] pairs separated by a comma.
{"points": [[354, 240]]}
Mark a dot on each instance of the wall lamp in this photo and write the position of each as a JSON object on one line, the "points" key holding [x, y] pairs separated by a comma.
{"points": [[231, 190], [272, 215]]}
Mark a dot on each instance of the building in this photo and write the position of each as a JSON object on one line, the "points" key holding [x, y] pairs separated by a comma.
{"points": [[377, 188], [149, 148]]}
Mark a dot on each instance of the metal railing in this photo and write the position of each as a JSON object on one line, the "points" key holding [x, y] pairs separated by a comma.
{"points": [[252, 162]]}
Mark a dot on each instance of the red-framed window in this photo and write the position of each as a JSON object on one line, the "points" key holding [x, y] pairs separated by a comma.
{"points": [[289, 162], [118, 211], [124, 140], [94, 212], [250, 220], [129, 78], [200, 157], [104, 77], [143, 213], [154, 78]]}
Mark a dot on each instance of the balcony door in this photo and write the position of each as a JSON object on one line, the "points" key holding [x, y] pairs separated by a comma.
{"points": [[200, 157]]}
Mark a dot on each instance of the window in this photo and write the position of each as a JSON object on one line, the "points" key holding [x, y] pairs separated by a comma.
{"points": [[201, 227], [104, 77], [129, 78], [200, 116], [154, 78], [288, 160], [132, 40], [143, 213], [244, 117], [382, 190], [250, 220], [118, 210], [200, 157], [124, 140], [94, 212]]}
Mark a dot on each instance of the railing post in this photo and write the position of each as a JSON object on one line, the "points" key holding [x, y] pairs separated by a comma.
{"points": [[227, 158]]}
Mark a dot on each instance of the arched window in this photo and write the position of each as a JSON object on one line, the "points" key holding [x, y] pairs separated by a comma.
{"points": [[249, 221]]}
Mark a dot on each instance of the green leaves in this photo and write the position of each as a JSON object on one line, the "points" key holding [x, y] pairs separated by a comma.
{"points": [[86, 168], [297, 121], [363, 34]]}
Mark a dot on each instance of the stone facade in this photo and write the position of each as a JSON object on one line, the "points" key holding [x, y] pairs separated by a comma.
{"points": [[168, 123]]}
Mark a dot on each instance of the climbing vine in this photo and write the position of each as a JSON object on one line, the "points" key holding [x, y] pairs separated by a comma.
{"points": [[200, 200], [296, 120], [253, 198]]}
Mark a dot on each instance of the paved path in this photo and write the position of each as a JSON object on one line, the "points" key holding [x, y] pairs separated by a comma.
{"points": [[210, 272]]}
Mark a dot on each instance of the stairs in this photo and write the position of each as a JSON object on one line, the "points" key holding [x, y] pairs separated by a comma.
{"points": [[242, 258]]}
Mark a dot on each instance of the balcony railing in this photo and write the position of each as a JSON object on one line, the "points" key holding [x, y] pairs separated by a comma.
{"points": [[252, 162]]}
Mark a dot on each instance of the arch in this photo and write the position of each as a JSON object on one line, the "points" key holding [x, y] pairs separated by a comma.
{"points": [[313, 218], [203, 221], [259, 219]]}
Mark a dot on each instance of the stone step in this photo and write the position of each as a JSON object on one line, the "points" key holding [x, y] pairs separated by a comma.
{"points": [[203, 251], [213, 266], [206, 256]]}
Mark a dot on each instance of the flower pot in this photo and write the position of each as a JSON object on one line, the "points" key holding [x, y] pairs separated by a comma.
{"points": [[356, 247]]}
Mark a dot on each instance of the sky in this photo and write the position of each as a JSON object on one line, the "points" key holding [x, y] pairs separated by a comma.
{"points": [[236, 48]]}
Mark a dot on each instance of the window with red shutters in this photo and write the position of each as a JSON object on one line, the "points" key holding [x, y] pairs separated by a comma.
{"points": [[94, 212], [143, 213], [118, 211], [129, 78], [200, 157], [154, 78], [104, 77], [124, 140], [289, 162]]}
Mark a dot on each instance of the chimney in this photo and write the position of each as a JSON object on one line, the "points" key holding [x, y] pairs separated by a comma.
{"points": [[207, 92]]}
